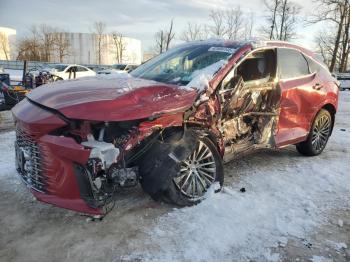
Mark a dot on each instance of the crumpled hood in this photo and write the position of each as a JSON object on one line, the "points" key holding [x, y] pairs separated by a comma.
{"points": [[113, 98]]}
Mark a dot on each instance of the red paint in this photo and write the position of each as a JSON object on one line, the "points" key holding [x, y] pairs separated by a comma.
{"points": [[76, 204], [58, 156], [160, 105], [109, 100]]}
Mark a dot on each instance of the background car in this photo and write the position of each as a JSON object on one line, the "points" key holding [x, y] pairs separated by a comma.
{"points": [[66, 71], [118, 68], [344, 80]]}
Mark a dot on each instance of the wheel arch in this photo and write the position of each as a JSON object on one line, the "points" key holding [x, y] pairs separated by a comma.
{"points": [[215, 139], [332, 110]]}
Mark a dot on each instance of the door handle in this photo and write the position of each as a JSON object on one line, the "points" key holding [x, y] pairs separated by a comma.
{"points": [[317, 86]]}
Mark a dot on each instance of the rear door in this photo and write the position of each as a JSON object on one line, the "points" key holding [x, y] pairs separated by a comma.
{"points": [[302, 92], [82, 71]]}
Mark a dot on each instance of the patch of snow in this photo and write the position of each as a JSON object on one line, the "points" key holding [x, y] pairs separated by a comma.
{"points": [[7, 160], [287, 195], [113, 74], [320, 259], [280, 202], [106, 152], [339, 247], [15, 75], [340, 223], [200, 78]]}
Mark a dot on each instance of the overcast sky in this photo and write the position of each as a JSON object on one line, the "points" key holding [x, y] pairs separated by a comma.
{"points": [[134, 18]]}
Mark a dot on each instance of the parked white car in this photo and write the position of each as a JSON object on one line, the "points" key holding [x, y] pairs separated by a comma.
{"points": [[66, 71], [344, 79], [126, 68]]}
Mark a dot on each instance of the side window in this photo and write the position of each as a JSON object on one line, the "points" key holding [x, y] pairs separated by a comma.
{"points": [[81, 69], [291, 63], [257, 68], [313, 66], [68, 69]]}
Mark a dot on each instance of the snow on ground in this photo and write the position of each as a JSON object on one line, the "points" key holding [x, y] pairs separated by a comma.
{"points": [[15, 75], [281, 201], [287, 196]]}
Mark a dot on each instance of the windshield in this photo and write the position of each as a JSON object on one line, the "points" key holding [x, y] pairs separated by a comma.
{"points": [[119, 67], [59, 68], [180, 65]]}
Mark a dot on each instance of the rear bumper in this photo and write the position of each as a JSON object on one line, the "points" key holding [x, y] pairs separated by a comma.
{"points": [[48, 163]]}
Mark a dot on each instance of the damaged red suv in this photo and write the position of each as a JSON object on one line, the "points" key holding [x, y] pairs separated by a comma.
{"points": [[171, 123]]}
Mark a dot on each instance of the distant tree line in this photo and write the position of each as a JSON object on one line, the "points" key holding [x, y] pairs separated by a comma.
{"points": [[49, 44], [43, 43], [235, 24], [281, 22]]}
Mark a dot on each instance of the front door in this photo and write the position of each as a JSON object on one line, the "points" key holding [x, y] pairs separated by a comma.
{"points": [[249, 103]]}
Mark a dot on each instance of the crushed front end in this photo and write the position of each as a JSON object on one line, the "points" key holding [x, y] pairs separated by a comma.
{"points": [[79, 164], [51, 165]]}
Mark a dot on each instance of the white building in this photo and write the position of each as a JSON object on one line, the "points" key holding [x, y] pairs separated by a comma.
{"points": [[7, 42], [84, 49]]}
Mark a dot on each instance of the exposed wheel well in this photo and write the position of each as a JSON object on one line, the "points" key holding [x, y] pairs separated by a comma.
{"points": [[331, 109]]}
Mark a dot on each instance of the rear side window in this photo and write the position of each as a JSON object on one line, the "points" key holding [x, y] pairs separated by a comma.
{"points": [[313, 66], [291, 63], [81, 69]]}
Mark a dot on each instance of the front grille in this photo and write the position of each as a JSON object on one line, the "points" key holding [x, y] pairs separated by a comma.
{"points": [[29, 161]]}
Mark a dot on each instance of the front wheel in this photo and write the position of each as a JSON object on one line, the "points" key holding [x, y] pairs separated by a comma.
{"points": [[202, 168], [318, 136]]}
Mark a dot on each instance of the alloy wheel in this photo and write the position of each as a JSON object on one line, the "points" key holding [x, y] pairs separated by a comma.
{"points": [[320, 132], [197, 172]]}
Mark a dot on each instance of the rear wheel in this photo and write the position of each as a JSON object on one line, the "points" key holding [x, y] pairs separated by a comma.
{"points": [[318, 136], [198, 172]]}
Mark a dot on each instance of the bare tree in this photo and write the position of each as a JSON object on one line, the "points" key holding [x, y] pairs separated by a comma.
{"points": [[62, 45], [272, 7], [163, 38], [345, 47], [4, 45], [160, 41], [249, 25], [120, 45], [335, 12], [99, 30], [325, 45], [30, 47], [288, 20], [170, 35], [217, 27], [193, 32], [234, 23], [281, 19], [47, 34]]}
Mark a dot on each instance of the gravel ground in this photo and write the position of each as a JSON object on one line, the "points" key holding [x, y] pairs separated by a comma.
{"points": [[294, 209]]}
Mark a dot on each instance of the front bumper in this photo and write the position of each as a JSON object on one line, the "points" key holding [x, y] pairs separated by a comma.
{"points": [[51, 166]]}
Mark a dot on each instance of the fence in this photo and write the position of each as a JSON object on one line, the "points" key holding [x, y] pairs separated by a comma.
{"points": [[18, 65]]}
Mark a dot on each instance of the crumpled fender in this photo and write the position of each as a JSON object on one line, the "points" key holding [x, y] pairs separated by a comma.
{"points": [[162, 161]]}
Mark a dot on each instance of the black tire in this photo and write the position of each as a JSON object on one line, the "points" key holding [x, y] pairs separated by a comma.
{"points": [[176, 196], [319, 134]]}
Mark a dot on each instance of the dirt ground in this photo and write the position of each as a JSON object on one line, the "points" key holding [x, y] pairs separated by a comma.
{"points": [[32, 231]]}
